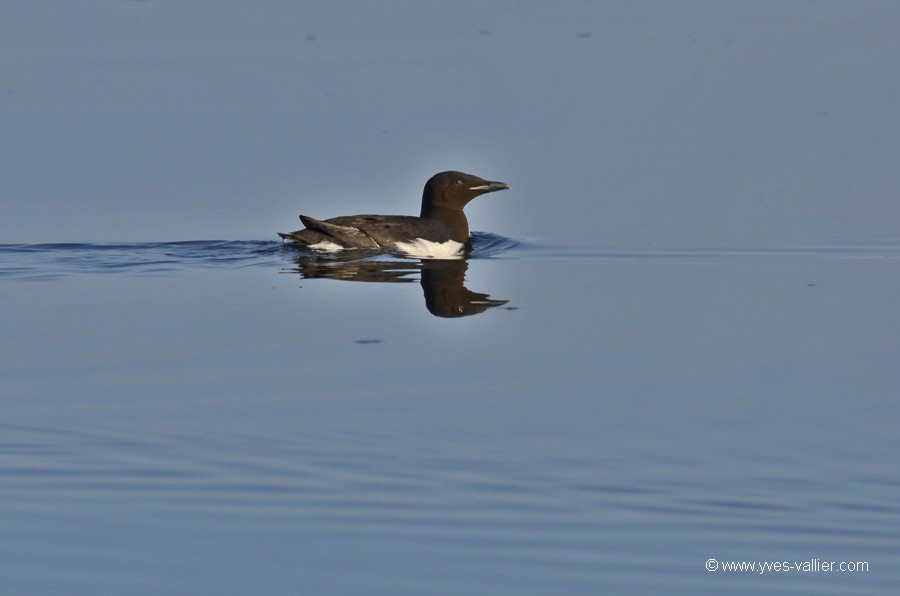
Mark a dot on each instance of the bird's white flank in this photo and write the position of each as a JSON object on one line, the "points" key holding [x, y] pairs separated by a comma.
{"points": [[425, 249]]}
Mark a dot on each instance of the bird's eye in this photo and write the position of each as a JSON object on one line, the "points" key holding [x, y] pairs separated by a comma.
{"points": [[459, 182]]}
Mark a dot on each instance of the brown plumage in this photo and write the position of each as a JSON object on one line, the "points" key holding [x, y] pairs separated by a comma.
{"points": [[441, 218]]}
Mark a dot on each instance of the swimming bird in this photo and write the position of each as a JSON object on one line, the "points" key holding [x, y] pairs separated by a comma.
{"points": [[441, 230]]}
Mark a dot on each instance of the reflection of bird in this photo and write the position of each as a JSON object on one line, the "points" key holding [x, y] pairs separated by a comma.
{"points": [[445, 294], [440, 230], [442, 281], [377, 271]]}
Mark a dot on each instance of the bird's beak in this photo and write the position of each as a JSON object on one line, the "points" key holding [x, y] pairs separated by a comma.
{"points": [[490, 186]]}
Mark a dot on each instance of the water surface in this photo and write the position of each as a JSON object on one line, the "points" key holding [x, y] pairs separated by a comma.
{"points": [[208, 416], [688, 352]]}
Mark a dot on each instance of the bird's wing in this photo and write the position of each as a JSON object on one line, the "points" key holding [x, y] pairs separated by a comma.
{"points": [[348, 235]]}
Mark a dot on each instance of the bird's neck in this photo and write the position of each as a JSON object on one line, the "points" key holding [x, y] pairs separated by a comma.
{"points": [[455, 219]]}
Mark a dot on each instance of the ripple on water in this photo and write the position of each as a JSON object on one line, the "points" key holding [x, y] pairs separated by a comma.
{"points": [[37, 262], [59, 260]]}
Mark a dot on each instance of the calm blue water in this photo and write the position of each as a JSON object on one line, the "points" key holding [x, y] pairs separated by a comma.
{"points": [[215, 417], [677, 346]]}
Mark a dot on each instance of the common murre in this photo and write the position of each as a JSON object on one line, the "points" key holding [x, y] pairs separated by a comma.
{"points": [[441, 230]]}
